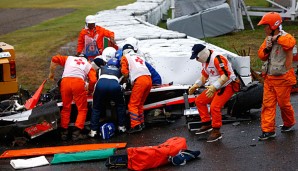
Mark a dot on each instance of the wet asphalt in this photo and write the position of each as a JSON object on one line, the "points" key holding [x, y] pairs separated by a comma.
{"points": [[12, 19], [239, 148]]}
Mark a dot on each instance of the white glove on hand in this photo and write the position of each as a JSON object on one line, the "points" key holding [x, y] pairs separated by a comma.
{"points": [[210, 91], [192, 89], [124, 86]]}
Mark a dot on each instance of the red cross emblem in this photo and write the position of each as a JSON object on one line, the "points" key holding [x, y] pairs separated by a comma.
{"points": [[139, 60], [277, 52], [79, 61], [212, 72], [92, 48]]}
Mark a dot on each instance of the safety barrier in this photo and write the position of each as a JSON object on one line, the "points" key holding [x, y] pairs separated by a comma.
{"points": [[168, 51]]}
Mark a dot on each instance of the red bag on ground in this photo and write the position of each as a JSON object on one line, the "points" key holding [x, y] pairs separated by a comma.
{"points": [[141, 158]]}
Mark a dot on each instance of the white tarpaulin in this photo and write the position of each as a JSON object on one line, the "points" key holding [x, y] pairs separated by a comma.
{"points": [[168, 51], [211, 22], [187, 7]]}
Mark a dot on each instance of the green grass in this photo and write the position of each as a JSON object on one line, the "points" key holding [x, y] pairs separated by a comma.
{"points": [[261, 3], [35, 45]]}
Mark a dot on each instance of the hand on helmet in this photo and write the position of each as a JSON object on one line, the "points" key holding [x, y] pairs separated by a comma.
{"points": [[210, 91], [192, 89]]}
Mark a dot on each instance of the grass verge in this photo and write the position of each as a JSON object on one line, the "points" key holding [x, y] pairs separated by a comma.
{"points": [[35, 45]]}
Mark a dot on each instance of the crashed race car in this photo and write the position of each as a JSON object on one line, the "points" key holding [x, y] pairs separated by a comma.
{"points": [[41, 112], [165, 103], [30, 119]]}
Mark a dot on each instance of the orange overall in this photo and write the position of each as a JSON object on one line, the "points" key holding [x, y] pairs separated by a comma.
{"points": [[277, 88], [72, 88], [140, 90], [218, 100], [98, 31]]}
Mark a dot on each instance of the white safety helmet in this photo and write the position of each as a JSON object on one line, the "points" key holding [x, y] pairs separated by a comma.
{"points": [[108, 53], [132, 41], [90, 19]]}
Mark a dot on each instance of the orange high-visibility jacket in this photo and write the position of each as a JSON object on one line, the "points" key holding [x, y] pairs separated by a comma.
{"points": [[287, 42], [102, 32]]}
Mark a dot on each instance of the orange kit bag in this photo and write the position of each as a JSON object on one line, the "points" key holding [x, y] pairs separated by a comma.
{"points": [[141, 158]]}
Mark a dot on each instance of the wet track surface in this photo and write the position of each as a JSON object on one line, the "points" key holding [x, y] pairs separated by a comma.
{"points": [[12, 19], [238, 150]]}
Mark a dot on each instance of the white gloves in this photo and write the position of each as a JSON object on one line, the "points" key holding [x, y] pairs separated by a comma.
{"points": [[210, 91], [193, 88], [124, 85]]}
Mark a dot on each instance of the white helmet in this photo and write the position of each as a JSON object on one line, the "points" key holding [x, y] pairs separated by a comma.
{"points": [[108, 53], [132, 41], [90, 19]]}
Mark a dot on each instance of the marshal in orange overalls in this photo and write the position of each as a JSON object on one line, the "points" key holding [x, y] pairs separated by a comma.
{"points": [[278, 86], [279, 76], [134, 66], [212, 70], [77, 70]]}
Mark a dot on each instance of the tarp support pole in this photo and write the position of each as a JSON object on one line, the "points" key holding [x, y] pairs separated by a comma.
{"points": [[173, 8]]}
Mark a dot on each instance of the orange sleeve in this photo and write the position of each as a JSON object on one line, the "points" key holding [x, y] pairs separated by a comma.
{"points": [[81, 41], [262, 53], [225, 65], [124, 66], [287, 42], [92, 79], [109, 33], [59, 59], [102, 32]]}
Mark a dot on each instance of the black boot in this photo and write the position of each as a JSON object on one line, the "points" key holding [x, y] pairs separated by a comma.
{"points": [[77, 134], [135, 129], [64, 134]]}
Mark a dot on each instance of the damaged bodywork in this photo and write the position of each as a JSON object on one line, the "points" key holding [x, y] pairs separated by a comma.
{"points": [[31, 123]]}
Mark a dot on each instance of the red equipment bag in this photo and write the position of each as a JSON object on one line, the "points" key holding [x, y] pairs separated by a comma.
{"points": [[141, 158]]}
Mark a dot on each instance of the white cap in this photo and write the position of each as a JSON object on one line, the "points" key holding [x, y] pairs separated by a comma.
{"points": [[90, 19]]}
